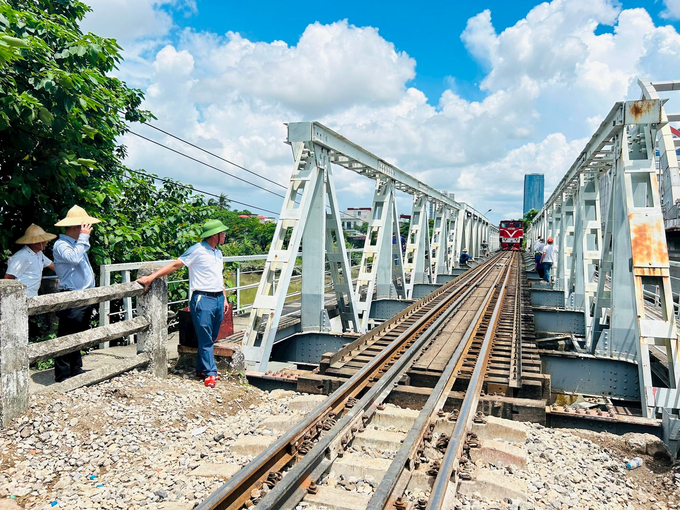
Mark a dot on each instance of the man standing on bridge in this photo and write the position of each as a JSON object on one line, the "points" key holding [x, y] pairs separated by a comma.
{"points": [[548, 258], [208, 297], [27, 264], [75, 273]]}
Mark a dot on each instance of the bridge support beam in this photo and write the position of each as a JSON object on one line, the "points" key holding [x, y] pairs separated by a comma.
{"points": [[587, 244], [417, 265], [440, 238], [303, 216], [381, 266]]}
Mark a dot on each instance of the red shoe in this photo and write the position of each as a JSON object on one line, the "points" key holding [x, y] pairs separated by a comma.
{"points": [[203, 376], [210, 381]]}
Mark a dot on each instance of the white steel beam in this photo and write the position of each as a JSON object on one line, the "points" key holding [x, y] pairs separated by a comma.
{"points": [[304, 206], [378, 263], [440, 238], [417, 261]]}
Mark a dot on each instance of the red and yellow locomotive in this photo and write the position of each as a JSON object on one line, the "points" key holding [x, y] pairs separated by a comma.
{"points": [[511, 233]]}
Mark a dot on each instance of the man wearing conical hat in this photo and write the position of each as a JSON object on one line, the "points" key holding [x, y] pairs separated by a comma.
{"points": [[75, 273], [28, 263], [206, 282]]}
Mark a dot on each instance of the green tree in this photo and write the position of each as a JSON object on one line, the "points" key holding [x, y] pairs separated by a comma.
{"points": [[145, 222], [60, 114], [529, 217], [363, 228]]}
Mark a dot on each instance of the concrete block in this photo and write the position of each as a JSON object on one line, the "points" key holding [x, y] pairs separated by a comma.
{"points": [[251, 445], [493, 452], [306, 403], [153, 305], [444, 426], [13, 351], [280, 423], [494, 484], [420, 480], [175, 506], [355, 464], [379, 439], [338, 499], [498, 428], [397, 417], [224, 471]]}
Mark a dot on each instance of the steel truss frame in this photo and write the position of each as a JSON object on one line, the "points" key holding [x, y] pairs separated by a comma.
{"points": [[305, 222], [615, 260]]}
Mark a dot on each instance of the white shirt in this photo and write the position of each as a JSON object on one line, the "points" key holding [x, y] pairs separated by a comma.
{"points": [[549, 252], [27, 267], [538, 246], [205, 267]]}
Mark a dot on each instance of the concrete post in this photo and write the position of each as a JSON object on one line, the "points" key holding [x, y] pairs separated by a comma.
{"points": [[13, 350], [153, 305]]}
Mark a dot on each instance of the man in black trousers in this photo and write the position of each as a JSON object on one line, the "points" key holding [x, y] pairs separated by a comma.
{"points": [[75, 273]]}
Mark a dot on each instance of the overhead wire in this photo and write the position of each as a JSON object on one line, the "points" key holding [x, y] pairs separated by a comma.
{"points": [[214, 155], [205, 164], [181, 185]]}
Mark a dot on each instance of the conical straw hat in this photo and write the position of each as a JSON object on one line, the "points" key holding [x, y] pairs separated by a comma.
{"points": [[76, 216], [35, 234]]}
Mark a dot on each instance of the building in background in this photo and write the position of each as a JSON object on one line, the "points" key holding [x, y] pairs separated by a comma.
{"points": [[533, 192], [353, 217]]}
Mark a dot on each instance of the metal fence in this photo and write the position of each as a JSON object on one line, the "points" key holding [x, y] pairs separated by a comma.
{"points": [[108, 271]]}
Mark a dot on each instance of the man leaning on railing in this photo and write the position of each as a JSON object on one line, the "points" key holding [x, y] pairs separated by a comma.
{"points": [[208, 298]]}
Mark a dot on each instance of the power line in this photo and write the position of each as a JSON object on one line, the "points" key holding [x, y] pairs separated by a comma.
{"points": [[215, 155], [206, 164], [169, 181]]}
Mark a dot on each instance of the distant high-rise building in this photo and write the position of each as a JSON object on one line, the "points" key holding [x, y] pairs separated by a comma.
{"points": [[533, 192]]}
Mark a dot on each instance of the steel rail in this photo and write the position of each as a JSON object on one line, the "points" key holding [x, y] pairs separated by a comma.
{"points": [[467, 410], [232, 495], [392, 485], [366, 339], [515, 380], [289, 491]]}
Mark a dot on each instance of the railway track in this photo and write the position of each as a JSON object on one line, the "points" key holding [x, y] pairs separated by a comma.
{"points": [[477, 303]]}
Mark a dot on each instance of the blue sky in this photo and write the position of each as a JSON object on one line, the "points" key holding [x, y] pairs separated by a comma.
{"points": [[468, 97], [429, 33]]}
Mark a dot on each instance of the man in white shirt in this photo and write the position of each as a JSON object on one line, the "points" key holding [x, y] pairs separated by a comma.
{"points": [[548, 258], [538, 253], [28, 263], [208, 298]]}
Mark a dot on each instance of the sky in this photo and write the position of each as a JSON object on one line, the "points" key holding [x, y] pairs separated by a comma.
{"points": [[465, 96]]}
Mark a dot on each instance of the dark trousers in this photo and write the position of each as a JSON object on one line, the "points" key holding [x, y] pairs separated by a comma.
{"points": [[206, 314], [71, 321]]}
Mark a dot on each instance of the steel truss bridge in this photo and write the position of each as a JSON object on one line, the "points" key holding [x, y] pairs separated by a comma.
{"points": [[595, 348], [310, 219], [610, 216]]}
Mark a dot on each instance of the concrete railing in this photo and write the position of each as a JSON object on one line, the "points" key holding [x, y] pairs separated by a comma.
{"points": [[16, 354]]}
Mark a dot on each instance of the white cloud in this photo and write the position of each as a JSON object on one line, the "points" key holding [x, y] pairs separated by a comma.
{"points": [[672, 10], [549, 81], [332, 66]]}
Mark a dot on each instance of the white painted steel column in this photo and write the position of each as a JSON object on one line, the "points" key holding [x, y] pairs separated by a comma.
{"points": [[440, 235], [417, 263], [587, 244]]}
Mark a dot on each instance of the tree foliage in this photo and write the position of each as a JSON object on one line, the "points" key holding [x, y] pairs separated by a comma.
{"points": [[144, 222], [529, 217], [60, 114]]}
